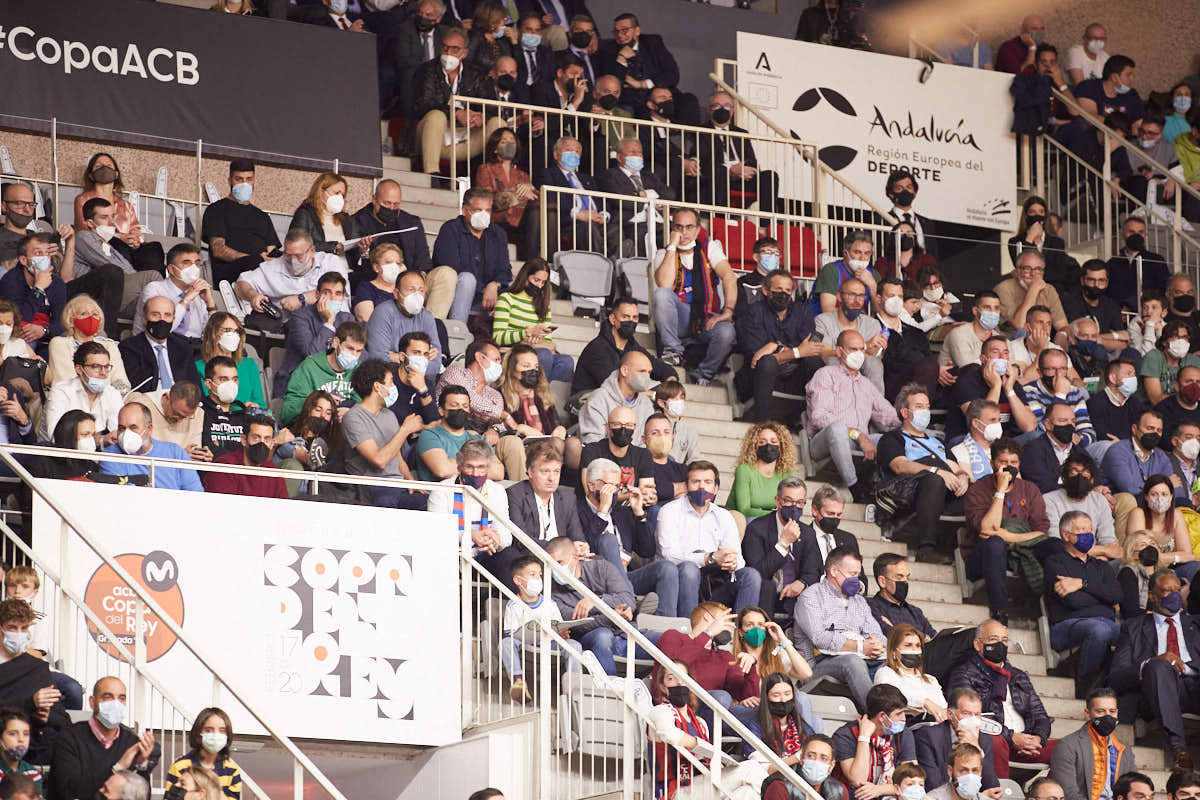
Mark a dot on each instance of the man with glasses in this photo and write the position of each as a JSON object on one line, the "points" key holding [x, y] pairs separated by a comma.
{"points": [[88, 391], [20, 212], [642, 63], [585, 44], [728, 163], [852, 314], [133, 437], [637, 468], [771, 546], [1027, 288], [855, 263], [435, 81], [290, 281]]}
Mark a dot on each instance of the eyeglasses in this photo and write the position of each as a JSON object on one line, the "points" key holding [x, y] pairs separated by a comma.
{"points": [[98, 367], [855, 296], [1025, 268], [20, 203]]}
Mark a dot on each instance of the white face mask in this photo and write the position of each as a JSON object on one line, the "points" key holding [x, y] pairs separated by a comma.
{"points": [[933, 295], [106, 232], [229, 341], [1159, 505], [1095, 46], [389, 271], [675, 407], [480, 220], [1190, 449], [227, 392], [1000, 366], [491, 372], [335, 203], [1178, 347], [449, 62], [856, 265], [856, 359], [413, 303], [130, 442], [993, 431], [533, 586], [5, 333], [189, 275], [893, 305], [86, 444]]}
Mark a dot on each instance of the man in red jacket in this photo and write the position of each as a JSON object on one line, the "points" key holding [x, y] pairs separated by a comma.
{"points": [[258, 444]]}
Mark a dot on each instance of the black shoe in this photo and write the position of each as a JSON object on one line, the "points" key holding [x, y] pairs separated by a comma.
{"points": [[931, 556], [999, 616], [862, 492]]}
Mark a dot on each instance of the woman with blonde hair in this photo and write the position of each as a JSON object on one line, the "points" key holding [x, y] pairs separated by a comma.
{"points": [[1143, 557], [241, 7], [225, 336], [529, 409], [83, 321], [905, 670], [387, 260], [768, 456], [324, 217], [760, 648]]}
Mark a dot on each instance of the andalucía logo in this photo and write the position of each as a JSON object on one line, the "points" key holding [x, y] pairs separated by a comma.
{"points": [[834, 156], [115, 604]]}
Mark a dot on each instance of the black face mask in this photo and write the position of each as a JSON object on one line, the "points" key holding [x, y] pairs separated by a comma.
{"points": [[1034, 219], [679, 696], [667, 109], [1149, 441], [900, 591], [828, 524], [907, 241], [1092, 292], [424, 24], [104, 174], [607, 101], [533, 290], [1064, 433], [20, 220], [996, 652], [1148, 556], [569, 86], [506, 83], [780, 300], [1135, 243], [621, 437], [721, 116], [780, 708], [1184, 303], [626, 328], [530, 378], [904, 197], [911, 660], [1077, 486], [581, 39], [258, 453], [1104, 725], [723, 638], [388, 216], [767, 453], [457, 418], [318, 425], [159, 329]]}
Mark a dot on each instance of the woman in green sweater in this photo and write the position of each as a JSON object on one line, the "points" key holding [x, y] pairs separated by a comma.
{"points": [[768, 456], [523, 316]]}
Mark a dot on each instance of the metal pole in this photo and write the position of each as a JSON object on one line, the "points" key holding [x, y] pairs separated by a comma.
{"points": [[199, 191], [545, 680], [1138, 262], [54, 166], [1106, 247]]}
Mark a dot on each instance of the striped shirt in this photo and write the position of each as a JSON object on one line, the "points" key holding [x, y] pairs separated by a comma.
{"points": [[825, 618], [1039, 401], [228, 773], [515, 313]]}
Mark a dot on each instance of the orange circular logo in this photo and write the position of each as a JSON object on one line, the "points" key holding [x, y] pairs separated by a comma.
{"points": [[115, 604]]}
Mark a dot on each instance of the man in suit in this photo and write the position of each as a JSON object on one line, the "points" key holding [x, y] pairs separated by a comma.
{"points": [[1156, 658], [538, 505], [823, 536], [535, 60], [432, 84], [670, 152], [567, 92], [1041, 458], [582, 221], [585, 44], [642, 63], [556, 15], [728, 163], [158, 358], [902, 189], [607, 136], [631, 177], [1073, 764], [964, 715], [418, 40], [770, 546], [620, 533]]}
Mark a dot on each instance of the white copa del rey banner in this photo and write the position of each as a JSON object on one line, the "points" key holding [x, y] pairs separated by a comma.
{"points": [[334, 621], [870, 113]]}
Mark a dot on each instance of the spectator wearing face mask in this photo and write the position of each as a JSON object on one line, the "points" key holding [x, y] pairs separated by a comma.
{"points": [[387, 264], [1160, 515], [471, 465], [814, 757], [516, 198], [1156, 275], [1140, 560], [224, 416], [1185, 447], [94, 251], [186, 288], [175, 414], [983, 428], [1085, 350], [310, 330], [855, 264], [1087, 59], [158, 358], [258, 446], [1027, 288], [440, 443], [405, 314], [1176, 121], [911, 258], [670, 400], [523, 316], [26, 681], [323, 217], [935, 742], [225, 336], [631, 176], [327, 371], [853, 315], [210, 742], [239, 234], [869, 750], [767, 457], [1089, 301], [994, 377], [1131, 462], [964, 343], [289, 281], [1182, 405], [478, 251], [1114, 407], [412, 383], [1091, 761], [82, 321], [36, 291], [771, 545], [90, 390], [374, 438], [382, 214], [728, 162], [626, 387], [616, 338], [1017, 53], [1080, 493], [1161, 367], [416, 41], [670, 476], [1112, 92], [670, 152], [821, 538], [635, 463]]}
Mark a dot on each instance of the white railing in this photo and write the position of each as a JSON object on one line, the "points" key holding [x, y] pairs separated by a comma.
{"points": [[610, 760]]}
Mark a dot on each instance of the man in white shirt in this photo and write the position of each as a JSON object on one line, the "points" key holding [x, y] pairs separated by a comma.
{"points": [[1087, 60], [88, 391], [699, 536], [186, 288], [289, 281], [476, 528]]}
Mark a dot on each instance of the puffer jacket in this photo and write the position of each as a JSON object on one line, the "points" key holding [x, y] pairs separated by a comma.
{"points": [[976, 674]]}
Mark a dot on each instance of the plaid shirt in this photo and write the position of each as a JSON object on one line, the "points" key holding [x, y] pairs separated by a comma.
{"points": [[824, 618]]}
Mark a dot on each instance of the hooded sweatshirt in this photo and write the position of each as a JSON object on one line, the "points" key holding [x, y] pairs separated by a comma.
{"points": [[593, 417], [601, 356], [315, 373]]}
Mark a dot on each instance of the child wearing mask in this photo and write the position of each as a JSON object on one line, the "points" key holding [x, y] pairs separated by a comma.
{"points": [[535, 606], [14, 744], [669, 397]]}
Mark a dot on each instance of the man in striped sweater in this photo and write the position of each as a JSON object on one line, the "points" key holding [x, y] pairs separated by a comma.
{"points": [[1053, 386]]}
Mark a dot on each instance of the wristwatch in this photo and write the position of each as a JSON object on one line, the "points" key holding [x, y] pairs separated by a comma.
{"points": [[303, 300], [796, 352]]}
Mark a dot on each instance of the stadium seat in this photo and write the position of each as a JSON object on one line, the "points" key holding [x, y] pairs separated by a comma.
{"points": [[233, 304], [801, 250], [635, 272], [833, 711], [591, 719], [590, 278], [1053, 657], [1011, 790], [459, 336], [737, 236]]}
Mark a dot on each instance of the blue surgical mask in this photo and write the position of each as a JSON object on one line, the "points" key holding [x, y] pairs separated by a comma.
{"points": [[96, 385], [531, 41], [768, 262], [1123, 89], [347, 360], [110, 713], [1182, 104], [920, 418], [988, 320], [815, 772], [242, 192], [418, 363], [338, 6], [339, 306], [896, 727], [570, 160], [392, 396], [40, 263], [969, 785], [1128, 386], [634, 163], [914, 791]]}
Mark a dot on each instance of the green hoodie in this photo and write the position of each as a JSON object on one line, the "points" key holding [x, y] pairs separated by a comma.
{"points": [[314, 373], [1188, 153]]}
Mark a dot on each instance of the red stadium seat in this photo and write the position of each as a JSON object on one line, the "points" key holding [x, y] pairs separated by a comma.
{"points": [[801, 250], [737, 236]]}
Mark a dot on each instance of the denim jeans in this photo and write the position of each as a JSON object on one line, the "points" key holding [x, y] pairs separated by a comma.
{"points": [[510, 656], [833, 441], [747, 584], [662, 578], [464, 296], [1093, 636], [607, 644], [671, 318], [555, 366]]}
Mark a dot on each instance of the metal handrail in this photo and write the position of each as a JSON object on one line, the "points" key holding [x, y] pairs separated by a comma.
{"points": [[632, 634], [36, 485]]}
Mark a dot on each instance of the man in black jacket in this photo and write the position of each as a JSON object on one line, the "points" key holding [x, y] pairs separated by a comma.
{"points": [[433, 83], [823, 537], [728, 163], [383, 213], [776, 337], [630, 176], [770, 546], [89, 752], [158, 358], [642, 63], [417, 40], [670, 152], [934, 741], [1158, 658], [25, 682], [602, 355]]}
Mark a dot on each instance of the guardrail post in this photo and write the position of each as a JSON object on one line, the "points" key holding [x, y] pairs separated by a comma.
{"points": [[139, 660], [1176, 237], [628, 756], [297, 780], [545, 686], [1109, 200], [54, 166], [64, 599], [468, 643], [197, 223]]}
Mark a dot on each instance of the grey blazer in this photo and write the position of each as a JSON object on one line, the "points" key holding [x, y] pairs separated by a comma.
{"points": [[1071, 765]]}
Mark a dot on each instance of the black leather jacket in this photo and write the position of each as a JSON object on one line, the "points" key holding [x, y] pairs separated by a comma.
{"points": [[433, 92]]}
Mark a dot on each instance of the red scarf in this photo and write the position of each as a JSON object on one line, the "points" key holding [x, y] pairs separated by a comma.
{"points": [[674, 770], [1000, 685], [705, 300], [883, 756], [789, 734]]}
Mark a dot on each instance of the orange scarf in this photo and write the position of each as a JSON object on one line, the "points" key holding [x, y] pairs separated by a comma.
{"points": [[1100, 760]]}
